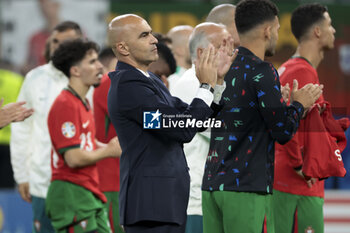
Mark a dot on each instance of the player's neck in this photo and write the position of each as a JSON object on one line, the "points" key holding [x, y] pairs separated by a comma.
{"points": [[310, 51], [80, 88], [255, 46]]}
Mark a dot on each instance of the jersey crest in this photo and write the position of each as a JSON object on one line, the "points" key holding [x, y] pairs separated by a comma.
{"points": [[68, 129]]}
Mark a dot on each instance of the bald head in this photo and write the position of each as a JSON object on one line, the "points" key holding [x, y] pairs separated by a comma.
{"points": [[206, 33], [131, 40], [179, 36], [225, 14], [119, 29]]}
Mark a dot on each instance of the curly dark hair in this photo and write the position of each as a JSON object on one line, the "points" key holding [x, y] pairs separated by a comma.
{"points": [[70, 53], [250, 13], [304, 16]]}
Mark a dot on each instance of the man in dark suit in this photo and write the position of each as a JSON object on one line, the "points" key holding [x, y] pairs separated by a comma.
{"points": [[154, 178]]}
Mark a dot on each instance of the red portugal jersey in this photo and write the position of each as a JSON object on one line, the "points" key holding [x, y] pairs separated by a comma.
{"points": [[108, 169], [290, 155], [71, 125]]}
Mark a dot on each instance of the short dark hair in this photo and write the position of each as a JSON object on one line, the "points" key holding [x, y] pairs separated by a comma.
{"points": [[68, 25], [165, 53], [106, 55], [304, 16], [250, 13], [70, 53]]}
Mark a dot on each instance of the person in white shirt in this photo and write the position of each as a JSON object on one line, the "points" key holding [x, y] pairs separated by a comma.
{"points": [[186, 88], [30, 143], [179, 36]]}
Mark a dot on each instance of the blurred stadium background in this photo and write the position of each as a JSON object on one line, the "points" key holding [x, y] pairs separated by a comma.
{"points": [[21, 19]]}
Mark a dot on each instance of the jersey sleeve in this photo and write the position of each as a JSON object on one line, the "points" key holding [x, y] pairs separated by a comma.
{"points": [[64, 126], [281, 120]]}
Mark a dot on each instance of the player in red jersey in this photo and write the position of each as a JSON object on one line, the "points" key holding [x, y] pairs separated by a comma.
{"points": [[108, 169], [74, 201], [294, 195]]}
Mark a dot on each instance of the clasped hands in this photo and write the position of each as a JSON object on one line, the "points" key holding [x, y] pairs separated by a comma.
{"points": [[213, 64]]}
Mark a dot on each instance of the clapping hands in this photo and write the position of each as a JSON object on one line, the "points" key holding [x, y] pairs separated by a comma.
{"points": [[212, 66]]}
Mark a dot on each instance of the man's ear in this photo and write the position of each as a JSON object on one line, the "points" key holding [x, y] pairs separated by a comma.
{"points": [[122, 48], [74, 71], [180, 51], [317, 31], [267, 31], [199, 52]]}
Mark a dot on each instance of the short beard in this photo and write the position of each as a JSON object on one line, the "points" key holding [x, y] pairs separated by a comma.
{"points": [[269, 53], [326, 48]]}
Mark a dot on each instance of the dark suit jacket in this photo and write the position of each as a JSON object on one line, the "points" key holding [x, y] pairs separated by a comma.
{"points": [[154, 178]]}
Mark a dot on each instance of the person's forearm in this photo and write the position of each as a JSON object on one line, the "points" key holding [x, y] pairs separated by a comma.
{"points": [[76, 158], [5, 119]]}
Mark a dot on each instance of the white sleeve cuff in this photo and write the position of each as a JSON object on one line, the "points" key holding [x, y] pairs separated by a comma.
{"points": [[21, 179], [205, 95], [218, 90]]}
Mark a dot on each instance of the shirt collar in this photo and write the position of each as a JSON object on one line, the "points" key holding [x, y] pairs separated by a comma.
{"points": [[144, 73], [303, 58], [246, 52], [73, 92]]}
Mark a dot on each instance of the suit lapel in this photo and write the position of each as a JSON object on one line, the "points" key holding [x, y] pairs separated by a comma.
{"points": [[158, 86]]}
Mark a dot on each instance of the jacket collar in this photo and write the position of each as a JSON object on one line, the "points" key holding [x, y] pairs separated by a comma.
{"points": [[124, 66]]}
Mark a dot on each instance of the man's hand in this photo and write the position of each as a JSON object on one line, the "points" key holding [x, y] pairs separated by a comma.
{"points": [[206, 67], [13, 112], [224, 58], [114, 148], [306, 95], [23, 190], [309, 182], [285, 91]]}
